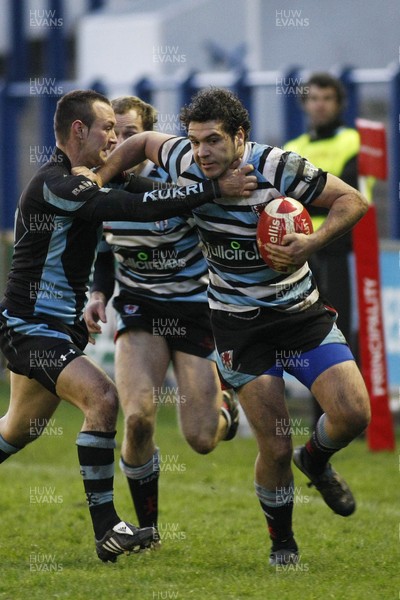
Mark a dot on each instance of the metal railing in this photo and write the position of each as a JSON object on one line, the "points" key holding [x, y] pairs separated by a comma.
{"points": [[13, 96], [17, 89]]}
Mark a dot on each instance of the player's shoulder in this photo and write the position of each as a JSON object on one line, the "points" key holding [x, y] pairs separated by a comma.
{"points": [[255, 152], [176, 156], [263, 157], [176, 142], [51, 172], [57, 167], [62, 190]]}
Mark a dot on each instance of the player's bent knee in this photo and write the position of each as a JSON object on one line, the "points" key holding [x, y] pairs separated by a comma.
{"points": [[139, 428], [109, 399], [282, 457], [103, 390], [201, 444], [360, 418], [353, 419], [86, 386], [278, 452], [101, 408]]}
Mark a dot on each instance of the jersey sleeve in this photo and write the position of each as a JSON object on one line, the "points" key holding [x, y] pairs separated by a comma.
{"points": [[66, 194], [175, 156], [137, 184], [79, 196], [104, 271], [294, 175]]}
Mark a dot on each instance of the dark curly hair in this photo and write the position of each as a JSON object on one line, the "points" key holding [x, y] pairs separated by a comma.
{"points": [[217, 104]]}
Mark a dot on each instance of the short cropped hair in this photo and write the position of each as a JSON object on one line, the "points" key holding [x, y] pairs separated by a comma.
{"points": [[77, 104], [325, 80], [123, 104], [217, 104]]}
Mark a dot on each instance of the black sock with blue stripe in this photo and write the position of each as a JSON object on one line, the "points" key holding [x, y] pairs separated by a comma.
{"points": [[320, 447], [96, 458], [277, 506], [143, 485]]}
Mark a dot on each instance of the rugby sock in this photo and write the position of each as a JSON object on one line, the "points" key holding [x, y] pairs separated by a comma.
{"points": [[6, 449], [96, 458], [277, 506], [143, 485], [320, 448]]}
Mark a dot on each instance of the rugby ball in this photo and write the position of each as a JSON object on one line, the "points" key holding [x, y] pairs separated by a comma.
{"points": [[281, 216]]}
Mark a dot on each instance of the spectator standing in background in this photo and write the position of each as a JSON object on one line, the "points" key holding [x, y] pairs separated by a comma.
{"points": [[333, 147]]}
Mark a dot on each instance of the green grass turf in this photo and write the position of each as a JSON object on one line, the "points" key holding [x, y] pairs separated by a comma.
{"points": [[215, 544]]}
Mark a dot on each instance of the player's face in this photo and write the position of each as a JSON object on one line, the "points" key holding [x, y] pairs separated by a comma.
{"points": [[100, 138], [128, 125], [321, 106], [214, 150]]}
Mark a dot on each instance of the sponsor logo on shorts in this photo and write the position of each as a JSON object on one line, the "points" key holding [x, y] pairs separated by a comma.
{"points": [[227, 359], [131, 309]]}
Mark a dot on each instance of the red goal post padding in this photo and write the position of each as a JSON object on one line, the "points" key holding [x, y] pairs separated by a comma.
{"points": [[372, 161], [372, 158]]}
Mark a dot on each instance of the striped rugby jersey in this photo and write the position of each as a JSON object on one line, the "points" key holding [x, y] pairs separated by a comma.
{"points": [[58, 224], [161, 260], [239, 278]]}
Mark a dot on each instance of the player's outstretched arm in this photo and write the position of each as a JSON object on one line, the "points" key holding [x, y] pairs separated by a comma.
{"points": [[147, 145], [235, 182], [132, 152]]}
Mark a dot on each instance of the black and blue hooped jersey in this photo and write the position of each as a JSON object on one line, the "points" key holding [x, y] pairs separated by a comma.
{"points": [[161, 260], [239, 278], [58, 224]]}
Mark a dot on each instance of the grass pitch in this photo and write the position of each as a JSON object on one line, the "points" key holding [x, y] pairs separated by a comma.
{"points": [[215, 544]]}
